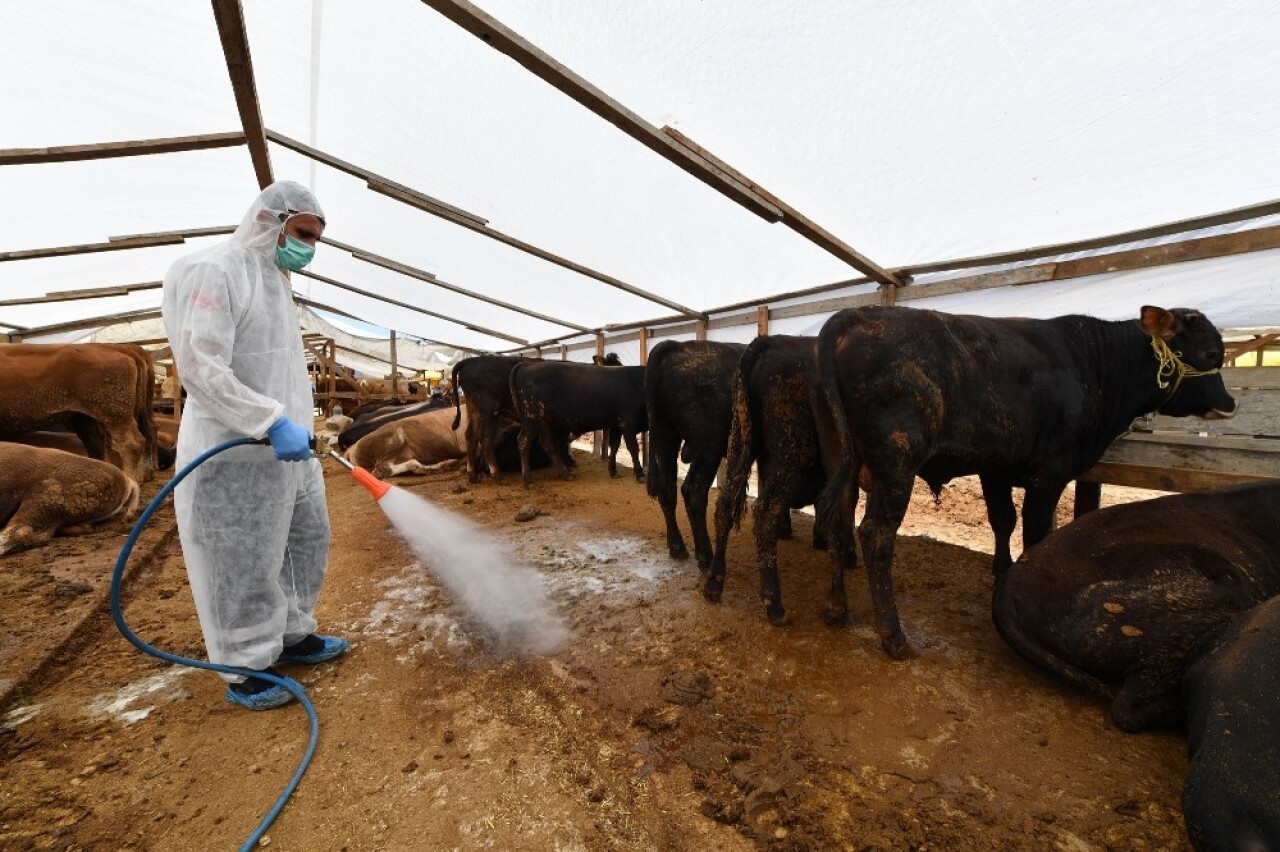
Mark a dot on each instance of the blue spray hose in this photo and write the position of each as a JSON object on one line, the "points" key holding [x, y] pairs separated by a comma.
{"points": [[290, 684]]}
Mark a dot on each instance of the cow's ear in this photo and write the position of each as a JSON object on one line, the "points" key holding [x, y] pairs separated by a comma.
{"points": [[1158, 322]]}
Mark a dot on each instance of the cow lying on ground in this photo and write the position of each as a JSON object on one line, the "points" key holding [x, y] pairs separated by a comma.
{"points": [[559, 400], [1231, 799], [90, 388], [773, 427], [1115, 601], [414, 444], [1025, 403], [353, 433], [43, 492], [687, 389]]}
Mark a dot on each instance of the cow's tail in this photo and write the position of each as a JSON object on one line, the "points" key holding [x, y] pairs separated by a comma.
{"points": [[129, 505], [1005, 615], [740, 455], [144, 403], [829, 505], [457, 397], [658, 476], [515, 398]]}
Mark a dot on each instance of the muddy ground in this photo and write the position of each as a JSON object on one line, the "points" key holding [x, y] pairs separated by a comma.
{"points": [[796, 737]]}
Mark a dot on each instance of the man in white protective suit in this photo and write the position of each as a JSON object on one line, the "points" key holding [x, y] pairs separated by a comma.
{"points": [[252, 520]]}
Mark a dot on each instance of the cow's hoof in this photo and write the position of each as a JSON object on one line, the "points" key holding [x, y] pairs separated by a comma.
{"points": [[614, 474], [678, 551], [835, 617], [896, 647], [712, 589], [777, 615], [639, 477], [819, 544]]}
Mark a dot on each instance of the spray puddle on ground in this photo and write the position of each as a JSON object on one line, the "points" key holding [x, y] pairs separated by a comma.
{"points": [[576, 565], [159, 688]]}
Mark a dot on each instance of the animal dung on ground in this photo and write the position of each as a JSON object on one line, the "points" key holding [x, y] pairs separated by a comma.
{"points": [[528, 513], [687, 688]]}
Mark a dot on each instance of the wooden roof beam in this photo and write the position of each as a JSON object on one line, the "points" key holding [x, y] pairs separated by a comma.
{"points": [[160, 238], [429, 278], [505, 40], [670, 144], [75, 295], [794, 219], [469, 326], [470, 221], [107, 150], [92, 322], [235, 48]]}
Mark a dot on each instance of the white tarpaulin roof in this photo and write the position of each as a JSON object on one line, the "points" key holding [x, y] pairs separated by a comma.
{"points": [[914, 132]]}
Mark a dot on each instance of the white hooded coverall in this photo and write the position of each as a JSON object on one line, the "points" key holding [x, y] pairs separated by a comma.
{"points": [[254, 530]]}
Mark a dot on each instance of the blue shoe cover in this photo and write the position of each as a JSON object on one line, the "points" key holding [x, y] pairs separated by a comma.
{"points": [[267, 699], [314, 649]]}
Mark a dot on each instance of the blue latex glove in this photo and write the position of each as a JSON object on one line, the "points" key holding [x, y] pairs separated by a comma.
{"points": [[290, 441]]}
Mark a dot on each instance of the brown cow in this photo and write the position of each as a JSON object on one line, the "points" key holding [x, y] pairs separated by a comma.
{"points": [[90, 388], [43, 492], [143, 402], [412, 445]]}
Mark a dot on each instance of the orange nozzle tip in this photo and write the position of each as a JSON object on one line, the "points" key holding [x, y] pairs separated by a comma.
{"points": [[376, 486]]}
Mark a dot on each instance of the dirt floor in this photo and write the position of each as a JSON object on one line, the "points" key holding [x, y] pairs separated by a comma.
{"points": [[666, 723]]}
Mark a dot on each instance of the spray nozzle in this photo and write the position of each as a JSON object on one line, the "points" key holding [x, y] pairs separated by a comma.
{"points": [[376, 486]]}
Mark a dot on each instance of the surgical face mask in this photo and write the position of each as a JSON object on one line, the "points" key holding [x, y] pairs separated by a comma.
{"points": [[294, 254]]}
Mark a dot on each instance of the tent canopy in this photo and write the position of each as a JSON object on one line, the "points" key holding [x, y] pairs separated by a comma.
{"points": [[914, 133]]}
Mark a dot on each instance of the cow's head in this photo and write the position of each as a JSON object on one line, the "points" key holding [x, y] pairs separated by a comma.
{"points": [[1188, 350]]}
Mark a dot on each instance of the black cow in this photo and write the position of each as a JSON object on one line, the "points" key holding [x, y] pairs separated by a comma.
{"points": [[365, 410], [688, 400], [772, 426], [1114, 601], [348, 437], [1231, 800], [485, 388], [1026, 403], [557, 400]]}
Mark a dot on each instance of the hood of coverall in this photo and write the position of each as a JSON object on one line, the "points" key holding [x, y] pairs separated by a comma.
{"points": [[261, 226], [230, 317]]}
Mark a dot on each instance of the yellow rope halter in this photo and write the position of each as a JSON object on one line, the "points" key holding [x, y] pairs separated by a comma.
{"points": [[1171, 365]]}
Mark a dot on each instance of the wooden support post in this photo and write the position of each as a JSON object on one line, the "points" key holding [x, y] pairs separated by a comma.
{"points": [[175, 392], [395, 369], [331, 359], [700, 330], [564, 352], [762, 320]]}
